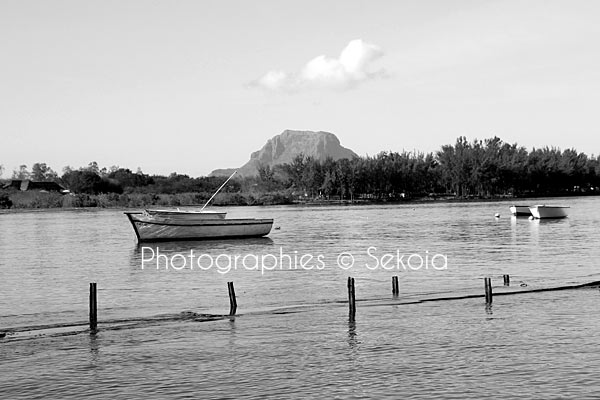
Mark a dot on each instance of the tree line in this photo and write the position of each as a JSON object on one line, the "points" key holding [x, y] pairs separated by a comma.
{"points": [[480, 168], [95, 180]]}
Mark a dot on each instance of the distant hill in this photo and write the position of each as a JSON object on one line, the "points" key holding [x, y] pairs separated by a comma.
{"points": [[282, 149]]}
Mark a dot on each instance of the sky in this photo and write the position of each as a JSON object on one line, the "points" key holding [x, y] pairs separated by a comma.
{"points": [[192, 86]]}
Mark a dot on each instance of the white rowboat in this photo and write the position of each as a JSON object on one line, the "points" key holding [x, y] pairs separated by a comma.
{"points": [[157, 225], [185, 225]]}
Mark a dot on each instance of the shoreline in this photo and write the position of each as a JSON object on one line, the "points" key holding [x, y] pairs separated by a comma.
{"points": [[306, 203]]}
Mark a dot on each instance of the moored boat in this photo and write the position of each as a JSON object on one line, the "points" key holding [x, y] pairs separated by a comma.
{"points": [[544, 211], [163, 225], [185, 225], [520, 210]]}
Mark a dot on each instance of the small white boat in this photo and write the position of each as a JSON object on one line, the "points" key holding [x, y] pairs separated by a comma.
{"points": [[520, 210], [186, 225], [162, 225], [544, 211]]}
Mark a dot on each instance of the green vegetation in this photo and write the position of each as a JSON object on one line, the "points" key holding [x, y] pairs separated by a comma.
{"points": [[477, 169], [5, 201]]}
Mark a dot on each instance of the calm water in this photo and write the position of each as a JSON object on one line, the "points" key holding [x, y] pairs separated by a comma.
{"points": [[293, 338]]}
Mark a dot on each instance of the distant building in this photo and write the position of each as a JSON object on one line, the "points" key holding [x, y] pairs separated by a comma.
{"points": [[27, 184]]}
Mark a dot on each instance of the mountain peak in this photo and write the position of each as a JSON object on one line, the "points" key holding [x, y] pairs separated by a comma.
{"points": [[282, 148]]}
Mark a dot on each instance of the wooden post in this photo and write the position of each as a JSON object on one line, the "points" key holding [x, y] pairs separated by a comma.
{"points": [[351, 299], [93, 308], [232, 300], [395, 286], [506, 280], [488, 290]]}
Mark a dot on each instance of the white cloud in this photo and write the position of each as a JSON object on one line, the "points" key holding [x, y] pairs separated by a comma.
{"points": [[273, 80], [348, 70]]}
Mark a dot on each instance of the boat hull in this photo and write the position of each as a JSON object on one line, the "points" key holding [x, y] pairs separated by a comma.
{"points": [[542, 211], [149, 229], [520, 211]]}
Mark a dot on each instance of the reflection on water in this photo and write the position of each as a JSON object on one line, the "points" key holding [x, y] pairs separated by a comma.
{"points": [[94, 349], [352, 337]]}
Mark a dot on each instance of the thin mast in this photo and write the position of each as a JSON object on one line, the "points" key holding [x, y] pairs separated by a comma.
{"points": [[224, 183]]}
